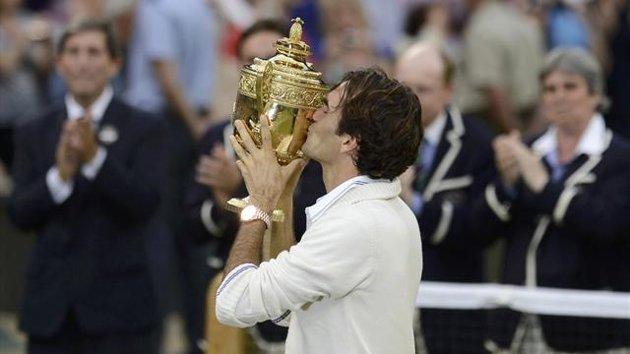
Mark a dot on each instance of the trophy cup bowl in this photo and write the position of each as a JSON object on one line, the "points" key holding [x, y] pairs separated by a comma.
{"points": [[287, 90]]}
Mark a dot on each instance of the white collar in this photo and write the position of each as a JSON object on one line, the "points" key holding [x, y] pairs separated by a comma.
{"points": [[322, 204], [97, 109], [433, 132], [594, 140]]}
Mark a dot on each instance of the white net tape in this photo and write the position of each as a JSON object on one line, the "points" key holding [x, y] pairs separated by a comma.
{"points": [[541, 301]]}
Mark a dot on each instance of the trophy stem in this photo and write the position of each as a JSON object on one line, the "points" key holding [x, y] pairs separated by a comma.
{"points": [[235, 205]]}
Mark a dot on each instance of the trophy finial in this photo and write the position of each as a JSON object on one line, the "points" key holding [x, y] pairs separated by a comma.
{"points": [[293, 46], [295, 33]]}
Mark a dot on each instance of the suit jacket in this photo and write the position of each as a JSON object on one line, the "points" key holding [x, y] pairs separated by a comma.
{"points": [[460, 170], [574, 234], [89, 257]]}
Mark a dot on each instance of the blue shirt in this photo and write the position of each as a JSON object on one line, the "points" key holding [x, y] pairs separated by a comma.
{"points": [[179, 31]]}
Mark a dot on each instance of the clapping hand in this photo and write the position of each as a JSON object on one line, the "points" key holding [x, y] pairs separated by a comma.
{"points": [[505, 159], [515, 159], [219, 172], [86, 138], [67, 155]]}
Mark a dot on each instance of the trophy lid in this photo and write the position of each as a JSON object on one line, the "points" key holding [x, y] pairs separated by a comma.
{"points": [[293, 46], [286, 77]]}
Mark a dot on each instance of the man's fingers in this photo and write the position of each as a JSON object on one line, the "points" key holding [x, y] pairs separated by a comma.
{"points": [[84, 125], [201, 179], [241, 167], [211, 162], [265, 132], [69, 128], [238, 149], [202, 170], [219, 153], [248, 143], [515, 134], [208, 180]]}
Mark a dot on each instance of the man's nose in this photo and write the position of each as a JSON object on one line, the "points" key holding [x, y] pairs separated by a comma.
{"points": [[82, 59]]}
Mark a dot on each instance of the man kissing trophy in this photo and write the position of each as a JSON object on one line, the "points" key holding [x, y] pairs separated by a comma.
{"points": [[287, 89]]}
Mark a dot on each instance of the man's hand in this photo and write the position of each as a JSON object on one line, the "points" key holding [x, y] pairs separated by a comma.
{"points": [[265, 178], [531, 168], [86, 139], [219, 172], [67, 156], [515, 159], [506, 161]]}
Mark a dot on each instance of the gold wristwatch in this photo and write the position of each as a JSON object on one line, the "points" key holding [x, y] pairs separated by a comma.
{"points": [[252, 212]]}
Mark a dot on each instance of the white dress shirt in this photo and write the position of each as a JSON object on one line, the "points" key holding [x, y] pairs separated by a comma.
{"points": [[60, 190]]}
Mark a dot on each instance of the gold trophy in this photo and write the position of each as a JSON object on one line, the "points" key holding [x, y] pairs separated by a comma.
{"points": [[287, 90]]}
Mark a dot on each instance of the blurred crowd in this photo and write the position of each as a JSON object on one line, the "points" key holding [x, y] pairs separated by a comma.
{"points": [[525, 103]]}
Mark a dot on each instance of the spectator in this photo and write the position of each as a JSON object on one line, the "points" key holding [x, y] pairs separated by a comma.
{"points": [[348, 42], [171, 61], [502, 53], [561, 201], [171, 71], [218, 180], [86, 183], [25, 57], [426, 21], [452, 169], [566, 27], [618, 83]]}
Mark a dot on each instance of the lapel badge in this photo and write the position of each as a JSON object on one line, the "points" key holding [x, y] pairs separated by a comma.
{"points": [[108, 134]]}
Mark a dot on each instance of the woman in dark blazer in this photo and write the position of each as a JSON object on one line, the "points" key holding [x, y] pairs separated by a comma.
{"points": [[562, 202]]}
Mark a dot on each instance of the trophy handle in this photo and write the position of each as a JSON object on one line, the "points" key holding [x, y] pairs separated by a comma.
{"points": [[262, 87]]}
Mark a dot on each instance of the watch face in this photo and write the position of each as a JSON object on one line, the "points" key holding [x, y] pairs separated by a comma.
{"points": [[248, 213]]}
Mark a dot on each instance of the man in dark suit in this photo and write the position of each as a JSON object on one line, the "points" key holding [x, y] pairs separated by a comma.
{"points": [[218, 179], [86, 174], [450, 173]]}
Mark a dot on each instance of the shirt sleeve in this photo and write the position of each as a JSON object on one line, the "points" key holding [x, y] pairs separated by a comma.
{"points": [[60, 191], [332, 259], [207, 219], [158, 33]]}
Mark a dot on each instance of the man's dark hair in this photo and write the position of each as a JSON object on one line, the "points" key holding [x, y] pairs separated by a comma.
{"points": [[384, 116], [267, 25], [91, 25]]}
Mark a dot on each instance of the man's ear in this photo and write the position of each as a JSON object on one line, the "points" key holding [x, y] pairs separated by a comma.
{"points": [[349, 144]]}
